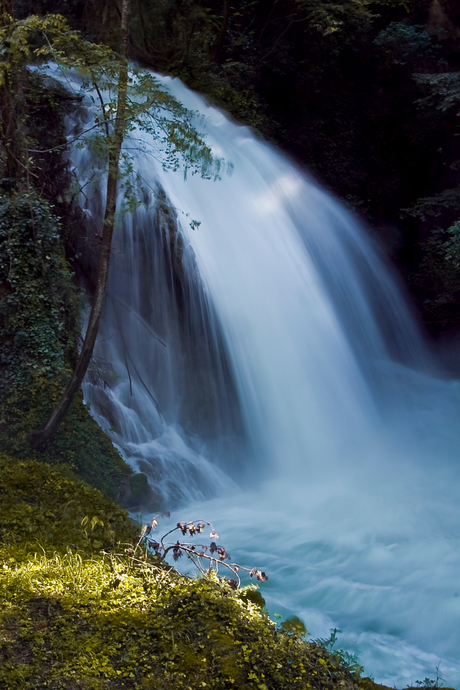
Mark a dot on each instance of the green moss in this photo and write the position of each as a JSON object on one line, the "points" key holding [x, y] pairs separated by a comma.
{"points": [[45, 504], [69, 621], [73, 617], [40, 305], [79, 441]]}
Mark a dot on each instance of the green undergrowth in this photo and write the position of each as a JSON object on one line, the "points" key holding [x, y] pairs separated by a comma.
{"points": [[75, 617], [44, 505], [79, 443], [39, 330]]}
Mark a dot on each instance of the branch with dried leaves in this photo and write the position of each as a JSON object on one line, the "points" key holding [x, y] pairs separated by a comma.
{"points": [[210, 555]]}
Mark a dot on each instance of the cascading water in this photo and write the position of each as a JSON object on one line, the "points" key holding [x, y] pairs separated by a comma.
{"points": [[274, 338]]}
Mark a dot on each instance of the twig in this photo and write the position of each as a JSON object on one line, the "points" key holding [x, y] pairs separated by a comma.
{"points": [[68, 143], [129, 375], [106, 120]]}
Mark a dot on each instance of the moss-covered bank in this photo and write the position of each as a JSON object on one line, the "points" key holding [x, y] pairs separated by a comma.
{"points": [[73, 617]]}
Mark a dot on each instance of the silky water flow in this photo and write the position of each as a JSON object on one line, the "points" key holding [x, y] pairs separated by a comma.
{"points": [[265, 373]]}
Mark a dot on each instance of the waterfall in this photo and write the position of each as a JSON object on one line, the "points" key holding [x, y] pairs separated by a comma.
{"points": [[265, 372]]}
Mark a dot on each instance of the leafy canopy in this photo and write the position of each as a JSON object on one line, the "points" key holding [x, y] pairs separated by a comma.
{"points": [[40, 40]]}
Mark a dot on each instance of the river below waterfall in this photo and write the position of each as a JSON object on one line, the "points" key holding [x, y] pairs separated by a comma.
{"points": [[268, 376]]}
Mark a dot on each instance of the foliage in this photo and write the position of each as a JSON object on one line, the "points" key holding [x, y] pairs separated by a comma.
{"points": [[444, 90], [149, 107], [40, 306], [73, 618], [403, 41], [437, 204], [42, 37], [329, 17], [349, 661], [439, 276], [39, 324]]}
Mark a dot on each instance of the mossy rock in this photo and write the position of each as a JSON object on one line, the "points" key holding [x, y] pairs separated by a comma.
{"points": [[139, 493], [79, 442], [70, 622], [369, 684]]}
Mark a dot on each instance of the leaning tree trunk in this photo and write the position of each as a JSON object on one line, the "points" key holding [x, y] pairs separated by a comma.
{"points": [[41, 435]]}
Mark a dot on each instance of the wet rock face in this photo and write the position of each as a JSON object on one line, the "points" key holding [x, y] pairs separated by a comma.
{"points": [[155, 295], [205, 372]]}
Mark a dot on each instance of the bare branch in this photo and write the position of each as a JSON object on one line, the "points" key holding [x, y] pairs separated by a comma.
{"points": [[72, 141]]}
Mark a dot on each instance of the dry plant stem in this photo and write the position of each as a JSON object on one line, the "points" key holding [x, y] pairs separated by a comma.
{"points": [[195, 552], [188, 524], [216, 562]]}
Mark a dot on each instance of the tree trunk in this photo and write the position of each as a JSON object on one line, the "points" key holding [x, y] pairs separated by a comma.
{"points": [[8, 121], [41, 435], [222, 33], [9, 130]]}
